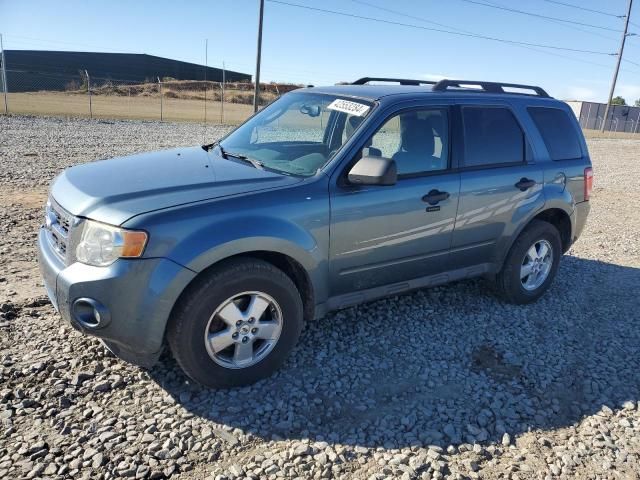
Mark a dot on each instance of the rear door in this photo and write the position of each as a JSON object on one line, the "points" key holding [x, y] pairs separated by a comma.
{"points": [[500, 183]]}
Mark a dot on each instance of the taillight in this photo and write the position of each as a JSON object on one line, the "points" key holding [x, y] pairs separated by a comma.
{"points": [[588, 182]]}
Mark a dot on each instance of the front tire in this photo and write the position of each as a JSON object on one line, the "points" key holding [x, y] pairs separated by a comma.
{"points": [[531, 264], [237, 324]]}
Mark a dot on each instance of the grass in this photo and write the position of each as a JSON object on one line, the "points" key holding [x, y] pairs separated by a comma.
{"points": [[619, 135], [125, 107]]}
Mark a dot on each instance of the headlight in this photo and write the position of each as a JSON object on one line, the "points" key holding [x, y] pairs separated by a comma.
{"points": [[101, 244]]}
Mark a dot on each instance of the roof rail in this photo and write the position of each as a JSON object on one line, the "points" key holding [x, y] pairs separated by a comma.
{"points": [[488, 87], [401, 81]]}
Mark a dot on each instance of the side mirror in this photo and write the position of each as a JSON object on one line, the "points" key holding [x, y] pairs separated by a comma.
{"points": [[374, 171]]}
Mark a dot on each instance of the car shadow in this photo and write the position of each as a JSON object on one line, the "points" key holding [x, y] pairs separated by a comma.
{"points": [[445, 366]]}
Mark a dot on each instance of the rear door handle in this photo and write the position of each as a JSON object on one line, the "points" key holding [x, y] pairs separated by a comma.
{"points": [[525, 184], [435, 196]]}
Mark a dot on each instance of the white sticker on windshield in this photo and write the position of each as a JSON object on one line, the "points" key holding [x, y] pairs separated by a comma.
{"points": [[346, 106]]}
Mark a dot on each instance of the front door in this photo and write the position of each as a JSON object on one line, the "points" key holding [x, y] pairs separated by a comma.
{"points": [[381, 235]]}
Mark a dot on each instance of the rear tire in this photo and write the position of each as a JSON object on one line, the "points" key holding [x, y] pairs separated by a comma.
{"points": [[531, 264], [237, 324]]}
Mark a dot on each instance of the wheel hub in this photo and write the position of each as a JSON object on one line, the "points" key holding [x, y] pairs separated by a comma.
{"points": [[536, 265], [243, 329]]}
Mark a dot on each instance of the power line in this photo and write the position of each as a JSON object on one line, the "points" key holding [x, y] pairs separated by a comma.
{"points": [[544, 17], [362, 2], [555, 54], [564, 23], [578, 7], [419, 27]]}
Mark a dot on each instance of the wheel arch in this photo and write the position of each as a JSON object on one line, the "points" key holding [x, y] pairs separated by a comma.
{"points": [[562, 221], [557, 217], [286, 263]]}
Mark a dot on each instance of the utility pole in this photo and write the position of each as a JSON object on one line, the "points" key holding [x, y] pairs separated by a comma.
{"points": [[615, 73], [256, 92]]}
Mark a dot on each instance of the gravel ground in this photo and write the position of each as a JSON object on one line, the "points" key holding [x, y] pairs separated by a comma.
{"points": [[442, 383]]}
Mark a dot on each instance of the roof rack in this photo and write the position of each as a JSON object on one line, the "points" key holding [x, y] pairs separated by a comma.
{"points": [[401, 81], [488, 87]]}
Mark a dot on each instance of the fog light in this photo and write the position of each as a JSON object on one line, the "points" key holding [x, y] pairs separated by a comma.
{"points": [[90, 313]]}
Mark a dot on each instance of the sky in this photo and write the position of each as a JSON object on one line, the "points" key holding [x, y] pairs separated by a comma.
{"points": [[305, 46]]}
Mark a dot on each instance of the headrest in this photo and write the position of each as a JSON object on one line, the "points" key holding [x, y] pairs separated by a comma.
{"points": [[417, 136], [353, 122]]}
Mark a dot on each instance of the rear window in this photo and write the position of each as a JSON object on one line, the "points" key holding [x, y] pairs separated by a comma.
{"points": [[558, 132], [492, 136]]}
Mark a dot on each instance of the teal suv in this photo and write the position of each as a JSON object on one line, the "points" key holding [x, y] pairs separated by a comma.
{"points": [[326, 198]]}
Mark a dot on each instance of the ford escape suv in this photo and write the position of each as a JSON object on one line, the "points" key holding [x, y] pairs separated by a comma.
{"points": [[326, 198]]}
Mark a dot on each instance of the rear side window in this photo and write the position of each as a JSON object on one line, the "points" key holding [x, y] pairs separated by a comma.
{"points": [[558, 132], [492, 136]]}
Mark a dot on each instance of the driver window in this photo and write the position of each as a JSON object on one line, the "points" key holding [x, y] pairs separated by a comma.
{"points": [[417, 140]]}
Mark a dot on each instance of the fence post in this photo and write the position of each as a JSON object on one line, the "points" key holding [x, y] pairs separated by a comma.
{"points": [[224, 73], [89, 92], [160, 88], [637, 121], [588, 116], [4, 76], [206, 67], [615, 128]]}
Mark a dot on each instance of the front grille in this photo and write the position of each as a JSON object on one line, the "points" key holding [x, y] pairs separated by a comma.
{"points": [[58, 224]]}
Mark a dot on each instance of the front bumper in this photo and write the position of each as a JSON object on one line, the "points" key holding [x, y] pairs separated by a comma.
{"points": [[138, 296]]}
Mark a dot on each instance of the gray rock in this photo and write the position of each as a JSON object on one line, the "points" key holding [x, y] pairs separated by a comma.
{"points": [[80, 377]]}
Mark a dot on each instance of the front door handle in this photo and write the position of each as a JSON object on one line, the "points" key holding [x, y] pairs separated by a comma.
{"points": [[435, 196], [525, 184]]}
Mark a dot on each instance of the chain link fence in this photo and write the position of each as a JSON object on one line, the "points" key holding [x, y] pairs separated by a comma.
{"points": [[156, 98], [613, 125], [622, 120]]}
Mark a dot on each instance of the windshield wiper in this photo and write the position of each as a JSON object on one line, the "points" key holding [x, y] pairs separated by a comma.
{"points": [[257, 164], [225, 154], [209, 146]]}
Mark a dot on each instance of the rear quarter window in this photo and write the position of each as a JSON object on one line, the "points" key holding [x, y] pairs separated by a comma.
{"points": [[558, 132]]}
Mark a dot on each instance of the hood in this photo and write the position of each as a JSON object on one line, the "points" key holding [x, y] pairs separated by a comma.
{"points": [[112, 191]]}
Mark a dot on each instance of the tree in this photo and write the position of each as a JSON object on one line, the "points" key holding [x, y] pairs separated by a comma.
{"points": [[637, 104], [618, 101]]}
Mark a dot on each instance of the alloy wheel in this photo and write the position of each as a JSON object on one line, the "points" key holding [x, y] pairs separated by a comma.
{"points": [[243, 330], [536, 265]]}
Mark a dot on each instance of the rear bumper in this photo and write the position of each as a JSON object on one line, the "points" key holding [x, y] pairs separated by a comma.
{"points": [[581, 213], [135, 296]]}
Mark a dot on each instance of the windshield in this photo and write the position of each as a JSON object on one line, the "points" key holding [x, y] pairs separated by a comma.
{"points": [[298, 133]]}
